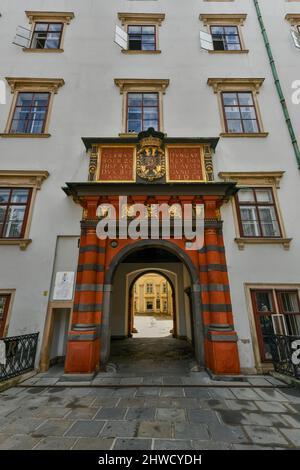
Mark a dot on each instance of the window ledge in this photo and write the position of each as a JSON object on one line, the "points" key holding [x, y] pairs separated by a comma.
{"points": [[126, 51], [285, 242], [128, 134], [242, 51], [26, 136], [22, 242], [31, 49], [244, 134]]}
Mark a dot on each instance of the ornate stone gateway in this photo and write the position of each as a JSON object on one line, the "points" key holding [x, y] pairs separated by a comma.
{"points": [[179, 170], [151, 161]]}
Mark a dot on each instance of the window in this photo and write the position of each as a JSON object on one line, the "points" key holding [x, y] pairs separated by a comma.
{"points": [[142, 112], [149, 288], [31, 105], [226, 32], [149, 306], [256, 208], [47, 36], [18, 191], [288, 303], [141, 32], [225, 38], [164, 288], [141, 38], [142, 103], [240, 113], [14, 204], [257, 213], [47, 30], [157, 304], [30, 113], [4, 305], [267, 305], [238, 101], [165, 306]]}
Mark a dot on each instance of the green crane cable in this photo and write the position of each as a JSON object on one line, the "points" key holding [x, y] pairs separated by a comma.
{"points": [[277, 84]]}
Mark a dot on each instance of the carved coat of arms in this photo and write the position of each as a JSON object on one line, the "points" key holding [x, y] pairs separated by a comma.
{"points": [[151, 164]]}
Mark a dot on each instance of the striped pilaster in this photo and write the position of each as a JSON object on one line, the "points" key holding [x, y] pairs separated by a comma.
{"points": [[220, 338]]}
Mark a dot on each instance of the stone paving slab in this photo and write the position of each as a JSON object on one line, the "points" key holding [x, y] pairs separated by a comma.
{"points": [[293, 435], [152, 416], [265, 435], [132, 444], [55, 443], [91, 443]]}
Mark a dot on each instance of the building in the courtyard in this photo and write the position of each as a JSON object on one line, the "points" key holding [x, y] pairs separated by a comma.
{"points": [[127, 98]]}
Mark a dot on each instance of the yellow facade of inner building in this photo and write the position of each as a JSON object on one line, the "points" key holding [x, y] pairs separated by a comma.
{"points": [[152, 294]]}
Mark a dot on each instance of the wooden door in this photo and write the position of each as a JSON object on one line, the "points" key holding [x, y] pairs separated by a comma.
{"points": [[4, 304]]}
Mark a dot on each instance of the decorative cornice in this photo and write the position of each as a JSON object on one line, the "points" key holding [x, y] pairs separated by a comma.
{"points": [[293, 18], [154, 18], [226, 83], [24, 83], [63, 16], [27, 178], [135, 84], [241, 242], [253, 177], [223, 18], [22, 242]]}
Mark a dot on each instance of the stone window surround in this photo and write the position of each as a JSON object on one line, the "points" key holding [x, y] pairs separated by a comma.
{"points": [[22, 179], [141, 85], [233, 85], [44, 85], [268, 179], [143, 19], [48, 17], [226, 19]]}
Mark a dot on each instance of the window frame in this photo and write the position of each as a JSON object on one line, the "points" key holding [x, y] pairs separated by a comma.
{"points": [[142, 110], [142, 25], [257, 314], [237, 93], [15, 109], [48, 23], [257, 204], [26, 213], [227, 26]]}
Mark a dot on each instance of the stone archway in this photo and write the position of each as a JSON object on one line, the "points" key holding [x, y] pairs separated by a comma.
{"points": [[194, 294]]}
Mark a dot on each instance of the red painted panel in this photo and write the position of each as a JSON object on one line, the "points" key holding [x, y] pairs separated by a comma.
{"points": [[185, 164], [116, 164]]}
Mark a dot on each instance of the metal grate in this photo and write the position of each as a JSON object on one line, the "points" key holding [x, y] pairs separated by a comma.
{"points": [[20, 355], [285, 354]]}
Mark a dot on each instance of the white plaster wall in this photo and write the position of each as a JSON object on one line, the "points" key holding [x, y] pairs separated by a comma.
{"points": [[90, 105]]}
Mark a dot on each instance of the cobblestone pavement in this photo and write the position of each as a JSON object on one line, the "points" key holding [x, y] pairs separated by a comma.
{"points": [[150, 417]]}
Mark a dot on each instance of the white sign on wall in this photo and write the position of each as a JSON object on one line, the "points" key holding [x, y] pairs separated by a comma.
{"points": [[64, 285], [2, 353]]}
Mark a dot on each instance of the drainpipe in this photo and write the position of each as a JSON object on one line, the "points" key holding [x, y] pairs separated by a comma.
{"points": [[277, 84]]}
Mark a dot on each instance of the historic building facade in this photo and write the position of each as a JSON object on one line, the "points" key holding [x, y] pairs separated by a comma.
{"points": [[161, 115]]}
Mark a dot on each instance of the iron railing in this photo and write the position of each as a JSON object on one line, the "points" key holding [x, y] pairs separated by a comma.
{"points": [[20, 355], [285, 356]]}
